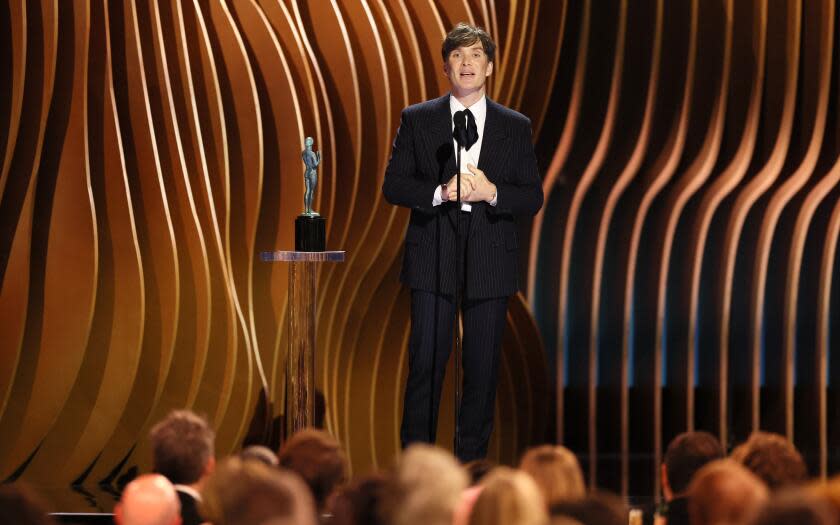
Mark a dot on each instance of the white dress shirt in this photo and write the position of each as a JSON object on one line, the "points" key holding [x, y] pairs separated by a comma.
{"points": [[471, 156]]}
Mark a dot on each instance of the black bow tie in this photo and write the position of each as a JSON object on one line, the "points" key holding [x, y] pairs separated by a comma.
{"points": [[470, 134]]}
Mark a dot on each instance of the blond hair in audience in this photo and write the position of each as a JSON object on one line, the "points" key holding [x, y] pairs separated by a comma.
{"points": [[556, 471], [725, 492], [426, 487], [509, 497]]}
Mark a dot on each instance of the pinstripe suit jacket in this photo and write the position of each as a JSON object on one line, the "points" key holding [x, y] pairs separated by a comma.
{"points": [[422, 158]]}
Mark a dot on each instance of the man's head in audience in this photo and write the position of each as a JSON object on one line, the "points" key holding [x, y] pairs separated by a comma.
{"points": [[508, 497], [425, 489], [556, 471], [686, 454], [148, 500], [250, 492], [318, 458], [773, 458], [724, 492], [183, 448], [358, 503]]}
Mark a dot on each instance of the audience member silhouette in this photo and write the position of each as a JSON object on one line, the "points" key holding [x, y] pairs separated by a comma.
{"points": [[148, 500], [557, 473], [318, 458], [773, 458], [724, 492], [183, 450], [686, 454], [247, 492]]}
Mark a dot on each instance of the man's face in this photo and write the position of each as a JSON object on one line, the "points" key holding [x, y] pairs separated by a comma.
{"points": [[467, 68]]}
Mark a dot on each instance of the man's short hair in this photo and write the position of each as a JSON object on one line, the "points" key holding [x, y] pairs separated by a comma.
{"points": [[686, 454], [463, 35], [773, 458], [182, 444], [318, 458]]}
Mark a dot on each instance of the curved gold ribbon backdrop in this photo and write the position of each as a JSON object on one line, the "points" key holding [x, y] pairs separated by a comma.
{"points": [[150, 151], [682, 272]]}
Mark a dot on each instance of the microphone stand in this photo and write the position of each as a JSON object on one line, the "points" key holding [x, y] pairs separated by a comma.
{"points": [[458, 342]]}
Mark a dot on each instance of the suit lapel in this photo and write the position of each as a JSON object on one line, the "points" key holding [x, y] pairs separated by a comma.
{"points": [[493, 142], [442, 138], [442, 144]]}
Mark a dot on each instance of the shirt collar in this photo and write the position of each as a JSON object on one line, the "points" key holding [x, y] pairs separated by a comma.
{"points": [[478, 109], [189, 490]]}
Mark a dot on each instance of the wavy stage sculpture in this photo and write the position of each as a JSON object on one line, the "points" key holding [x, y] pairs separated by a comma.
{"points": [[681, 275]]}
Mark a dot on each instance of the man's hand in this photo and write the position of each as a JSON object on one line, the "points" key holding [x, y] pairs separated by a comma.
{"points": [[467, 187], [483, 189]]}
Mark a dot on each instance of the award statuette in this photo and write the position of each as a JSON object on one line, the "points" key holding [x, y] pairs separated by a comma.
{"points": [[310, 228]]}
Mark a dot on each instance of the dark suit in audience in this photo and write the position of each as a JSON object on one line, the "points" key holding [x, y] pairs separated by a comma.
{"points": [[189, 508]]}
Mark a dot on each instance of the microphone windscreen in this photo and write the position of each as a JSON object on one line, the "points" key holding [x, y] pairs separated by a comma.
{"points": [[460, 119]]}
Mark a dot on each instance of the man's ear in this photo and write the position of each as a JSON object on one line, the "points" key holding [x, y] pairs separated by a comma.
{"points": [[446, 68], [489, 69], [118, 517], [210, 466], [666, 483]]}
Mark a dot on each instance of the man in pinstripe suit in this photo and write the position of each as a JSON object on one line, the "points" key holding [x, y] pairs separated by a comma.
{"points": [[499, 180]]}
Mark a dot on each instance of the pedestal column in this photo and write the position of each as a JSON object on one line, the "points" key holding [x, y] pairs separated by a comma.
{"points": [[300, 359]]}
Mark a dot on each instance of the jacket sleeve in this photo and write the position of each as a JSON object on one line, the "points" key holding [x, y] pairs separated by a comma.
{"points": [[404, 184], [521, 194]]}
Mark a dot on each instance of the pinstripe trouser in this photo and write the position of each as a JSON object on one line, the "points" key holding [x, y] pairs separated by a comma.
{"points": [[430, 344]]}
